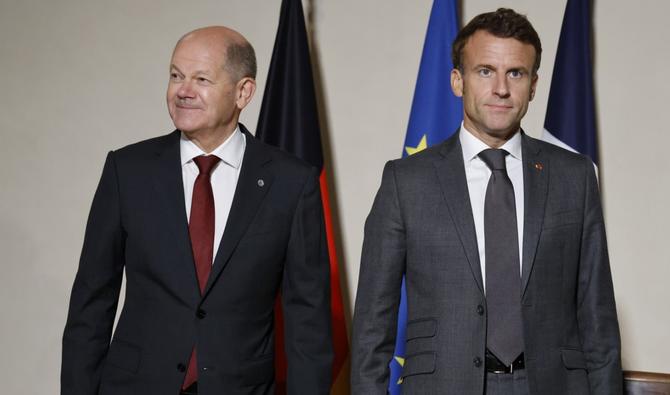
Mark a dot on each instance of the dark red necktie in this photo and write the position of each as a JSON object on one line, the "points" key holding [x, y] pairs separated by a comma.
{"points": [[201, 231]]}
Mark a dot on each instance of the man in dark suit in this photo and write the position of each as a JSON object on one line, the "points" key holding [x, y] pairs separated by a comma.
{"points": [[502, 242], [209, 225]]}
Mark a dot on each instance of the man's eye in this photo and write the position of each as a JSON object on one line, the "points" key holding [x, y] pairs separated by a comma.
{"points": [[485, 72], [174, 76], [515, 74], [203, 80]]}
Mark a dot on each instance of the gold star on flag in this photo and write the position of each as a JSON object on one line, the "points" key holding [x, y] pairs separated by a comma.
{"points": [[401, 361], [423, 144]]}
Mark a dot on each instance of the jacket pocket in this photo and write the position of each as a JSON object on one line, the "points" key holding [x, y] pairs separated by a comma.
{"points": [[257, 371], [124, 356], [573, 359], [421, 328], [420, 363], [560, 219]]}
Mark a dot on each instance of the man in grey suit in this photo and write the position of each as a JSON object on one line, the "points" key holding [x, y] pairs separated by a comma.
{"points": [[502, 242]]}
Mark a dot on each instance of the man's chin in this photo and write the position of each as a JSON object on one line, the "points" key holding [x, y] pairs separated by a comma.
{"points": [[502, 127], [503, 133], [187, 127]]}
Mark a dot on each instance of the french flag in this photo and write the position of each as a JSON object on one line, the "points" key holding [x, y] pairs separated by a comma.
{"points": [[570, 121]]}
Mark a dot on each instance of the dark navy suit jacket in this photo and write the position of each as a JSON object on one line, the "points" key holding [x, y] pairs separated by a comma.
{"points": [[274, 241]]}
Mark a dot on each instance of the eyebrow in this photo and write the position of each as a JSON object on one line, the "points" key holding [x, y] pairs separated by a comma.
{"points": [[489, 66], [484, 65], [197, 72]]}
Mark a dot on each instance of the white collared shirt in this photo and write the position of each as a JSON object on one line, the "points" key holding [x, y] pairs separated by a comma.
{"points": [[478, 174], [224, 177]]}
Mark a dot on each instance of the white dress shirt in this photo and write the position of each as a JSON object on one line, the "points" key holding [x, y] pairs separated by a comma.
{"points": [[224, 177], [478, 174]]}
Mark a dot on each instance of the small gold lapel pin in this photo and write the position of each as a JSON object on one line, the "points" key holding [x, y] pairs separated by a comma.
{"points": [[539, 166], [261, 182]]}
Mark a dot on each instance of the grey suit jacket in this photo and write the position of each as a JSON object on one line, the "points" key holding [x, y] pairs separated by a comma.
{"points": [[421, 225]]}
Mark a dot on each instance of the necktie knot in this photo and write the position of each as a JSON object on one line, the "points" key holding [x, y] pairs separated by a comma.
{"points": [[206, 163], [494, 158]]}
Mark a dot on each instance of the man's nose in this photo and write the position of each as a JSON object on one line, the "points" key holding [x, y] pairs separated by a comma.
{"points": [[186, 89], [501, 88]]}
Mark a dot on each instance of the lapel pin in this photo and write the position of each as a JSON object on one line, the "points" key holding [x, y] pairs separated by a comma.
{"points": [[539, 166], [261, 182]]}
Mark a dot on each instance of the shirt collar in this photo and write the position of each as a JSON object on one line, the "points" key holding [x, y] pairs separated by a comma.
{"points": [[472, 146], [230, 151]]}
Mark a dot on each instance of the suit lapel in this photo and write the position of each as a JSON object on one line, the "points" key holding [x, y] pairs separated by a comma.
{"points": [[254, 182], [451, 174], [535, 181], [168, 182]]}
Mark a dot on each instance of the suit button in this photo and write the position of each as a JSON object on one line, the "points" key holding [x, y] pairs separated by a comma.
{"points": [[201, 313], [181, 367], [480, 309], [477, 362]]}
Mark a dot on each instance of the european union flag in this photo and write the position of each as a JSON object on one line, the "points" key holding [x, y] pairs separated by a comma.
{"points": [[570, 121], [436, 114]]}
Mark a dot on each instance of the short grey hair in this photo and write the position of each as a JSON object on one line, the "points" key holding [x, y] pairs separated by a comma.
{"points": [[240, 60]]}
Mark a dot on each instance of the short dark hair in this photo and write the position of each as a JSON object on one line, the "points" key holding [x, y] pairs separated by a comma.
{"points": [[240, 60], [503, 23]]}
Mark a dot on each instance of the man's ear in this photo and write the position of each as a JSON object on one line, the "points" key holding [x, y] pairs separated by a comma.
{"points": [[457, 82], [245, 91]]}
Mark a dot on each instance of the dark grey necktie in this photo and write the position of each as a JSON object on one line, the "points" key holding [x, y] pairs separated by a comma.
{"points": [[503, 282]]}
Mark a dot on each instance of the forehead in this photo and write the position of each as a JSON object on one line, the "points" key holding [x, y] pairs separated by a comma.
{"points": [[483, 48], [202, 54]]}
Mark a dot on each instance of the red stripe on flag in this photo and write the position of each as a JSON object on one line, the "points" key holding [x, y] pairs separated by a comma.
{"points": [[339, 326], [280, 352]]}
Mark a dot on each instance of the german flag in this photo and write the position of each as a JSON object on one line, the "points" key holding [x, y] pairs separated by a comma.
{"points": [[289, 120]]}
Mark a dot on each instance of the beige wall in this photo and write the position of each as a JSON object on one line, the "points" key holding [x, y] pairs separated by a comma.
{"points": [[80, 78]]}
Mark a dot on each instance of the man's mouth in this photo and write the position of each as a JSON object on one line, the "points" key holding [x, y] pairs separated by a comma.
{"points": [[499, 107], [183, 106]]}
